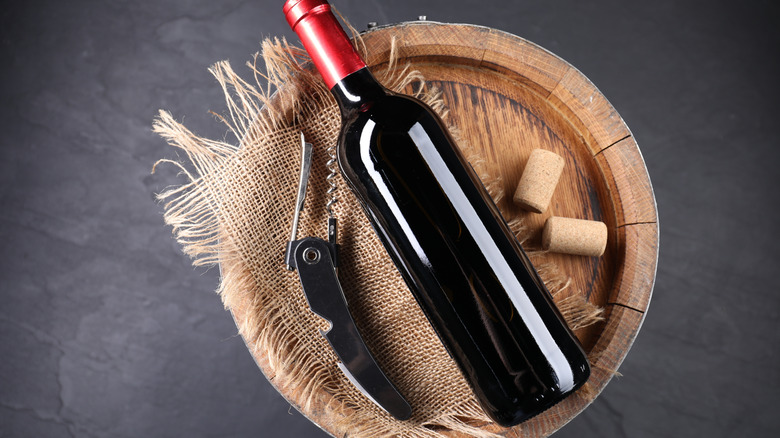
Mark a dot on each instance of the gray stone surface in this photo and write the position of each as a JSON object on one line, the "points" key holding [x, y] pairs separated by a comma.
{"points": [[107, 331]]}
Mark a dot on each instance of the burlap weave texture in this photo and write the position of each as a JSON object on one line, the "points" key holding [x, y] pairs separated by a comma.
{"points": [[236, 211]]}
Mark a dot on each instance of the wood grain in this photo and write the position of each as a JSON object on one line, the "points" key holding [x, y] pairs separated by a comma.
{"points": [[506, 97], [625, 172]]}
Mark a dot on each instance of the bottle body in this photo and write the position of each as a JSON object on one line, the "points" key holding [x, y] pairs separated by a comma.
{"points": [[445, 235], [456, 253]]}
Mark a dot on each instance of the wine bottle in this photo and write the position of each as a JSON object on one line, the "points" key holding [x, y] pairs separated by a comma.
{"points": [[445, 234]]}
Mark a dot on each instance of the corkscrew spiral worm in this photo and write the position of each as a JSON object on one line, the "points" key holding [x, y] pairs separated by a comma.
{"points": [[333, 168]]}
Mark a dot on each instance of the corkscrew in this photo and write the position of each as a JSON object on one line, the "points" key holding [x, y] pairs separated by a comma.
{"points": [[316, 261], [333, 169]]}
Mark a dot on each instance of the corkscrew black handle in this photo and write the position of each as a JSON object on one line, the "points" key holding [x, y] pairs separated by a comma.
{"points": [[316, 261]]}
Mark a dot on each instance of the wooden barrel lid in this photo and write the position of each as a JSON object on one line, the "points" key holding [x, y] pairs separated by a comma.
{"points": [[508, 96]]}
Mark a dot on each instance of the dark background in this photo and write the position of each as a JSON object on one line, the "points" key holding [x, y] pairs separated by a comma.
{"points": [[106, 330]]}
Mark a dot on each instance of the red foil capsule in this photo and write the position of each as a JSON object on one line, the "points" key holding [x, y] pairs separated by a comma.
{"points": [[334, 56]]}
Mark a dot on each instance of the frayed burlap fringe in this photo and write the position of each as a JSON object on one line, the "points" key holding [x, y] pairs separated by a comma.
{"points": [[236, 211]]}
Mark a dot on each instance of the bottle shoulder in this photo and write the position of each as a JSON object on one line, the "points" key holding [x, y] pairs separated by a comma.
{"points": [[395, 112]]}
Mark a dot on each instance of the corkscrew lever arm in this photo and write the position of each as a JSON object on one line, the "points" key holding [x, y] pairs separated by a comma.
{"points": [[303, 183], [315, 261]]}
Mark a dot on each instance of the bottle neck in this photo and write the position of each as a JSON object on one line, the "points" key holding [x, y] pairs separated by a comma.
{"points": [[323, 38]]}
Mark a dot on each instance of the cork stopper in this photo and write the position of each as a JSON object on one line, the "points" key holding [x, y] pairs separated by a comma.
{"points": [[574, 236], [538, 181]]}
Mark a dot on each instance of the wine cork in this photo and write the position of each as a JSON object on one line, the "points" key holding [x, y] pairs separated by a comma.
{"points": [[574, 236], [538, 181]]}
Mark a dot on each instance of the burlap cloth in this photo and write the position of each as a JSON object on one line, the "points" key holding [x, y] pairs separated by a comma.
{"points": [[236, 211]]}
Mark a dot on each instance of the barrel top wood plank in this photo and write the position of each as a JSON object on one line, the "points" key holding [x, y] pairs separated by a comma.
{"points": [[506, 97]]}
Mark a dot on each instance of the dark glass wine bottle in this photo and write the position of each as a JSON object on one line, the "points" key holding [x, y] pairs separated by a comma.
{"points": [[445, 234]]}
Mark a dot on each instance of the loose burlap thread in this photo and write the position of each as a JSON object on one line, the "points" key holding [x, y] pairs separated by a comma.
{"points": [[236, 211]]}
